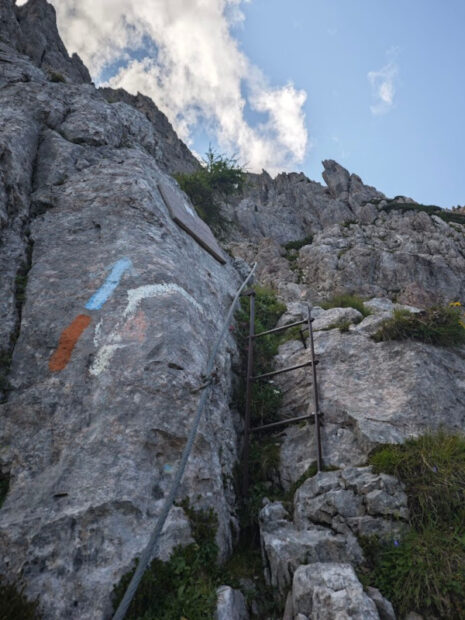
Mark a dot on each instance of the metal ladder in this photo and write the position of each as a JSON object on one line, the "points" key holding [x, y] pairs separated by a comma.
{"points": [[314, 417]]}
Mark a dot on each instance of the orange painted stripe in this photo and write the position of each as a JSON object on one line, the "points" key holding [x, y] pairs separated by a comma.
{"points": [[69, 336]]}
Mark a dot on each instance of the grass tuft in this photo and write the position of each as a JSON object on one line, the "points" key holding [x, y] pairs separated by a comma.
{"points": [[14, 605], [439, 325], [425, 570], [346, 300]]}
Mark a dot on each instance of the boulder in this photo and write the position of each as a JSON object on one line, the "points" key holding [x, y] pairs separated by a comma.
{"points": [[231, 604], [331, 591]]}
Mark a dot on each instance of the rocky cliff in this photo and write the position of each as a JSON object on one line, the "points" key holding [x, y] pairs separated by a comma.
{"points": [[105, 329], [109, 311]]}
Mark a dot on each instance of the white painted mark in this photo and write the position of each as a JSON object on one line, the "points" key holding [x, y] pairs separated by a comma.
{"points": [[136, 295], [103, 358]]}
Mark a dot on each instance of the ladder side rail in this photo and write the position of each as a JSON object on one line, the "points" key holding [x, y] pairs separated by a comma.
{"points": [[248, 397], [316, 404]]}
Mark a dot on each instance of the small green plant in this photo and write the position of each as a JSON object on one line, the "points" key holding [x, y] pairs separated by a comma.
{"points": [[5, 363], [219, 176], [4, 487], [55, 76], [425, 570], [348, 223], [292, 254], [438, 325], [344, 326], [264, 462], [21, 284], [345, 300], [298, 243], [266, 397], [244, 570], [14, 605], [185, 586]]}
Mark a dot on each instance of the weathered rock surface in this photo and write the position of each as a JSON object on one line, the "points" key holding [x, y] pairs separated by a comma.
{"points": [[286, 208], [370, 393], [157, 136], [110, 326], [330, 591], [110, 342], [352, 500], [410, 256], [286, 546], [32, 30], [231, 605]]}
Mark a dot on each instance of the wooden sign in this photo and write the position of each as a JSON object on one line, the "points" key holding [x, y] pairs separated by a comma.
{"points": [[183, 213]]}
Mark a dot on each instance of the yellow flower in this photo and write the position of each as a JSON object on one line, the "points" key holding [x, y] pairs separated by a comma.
{"points": [[455, 304]]}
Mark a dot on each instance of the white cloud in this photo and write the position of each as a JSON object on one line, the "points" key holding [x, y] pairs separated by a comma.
{"points": [[383, 88], [198, 75]]}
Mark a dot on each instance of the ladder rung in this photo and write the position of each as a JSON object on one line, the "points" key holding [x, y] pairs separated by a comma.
{"points": [[278, 372], [280, 329], [300, 418]]}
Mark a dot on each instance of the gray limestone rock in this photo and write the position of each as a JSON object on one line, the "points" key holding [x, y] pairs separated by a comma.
{"points": [[370, 393], [286, 547], [334, 317], [231, 604], [352, 500], [152, 129], [384, 607], [42, 43], [109, 343], [337, 179], [407, 255], [331, 591]]}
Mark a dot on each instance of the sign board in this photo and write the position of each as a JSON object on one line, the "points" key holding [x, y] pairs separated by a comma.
{"points": [[183, 213]]}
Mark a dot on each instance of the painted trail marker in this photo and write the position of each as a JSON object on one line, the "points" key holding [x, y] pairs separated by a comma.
{"points": [[185, 217], [106, 290], [71, 334]]}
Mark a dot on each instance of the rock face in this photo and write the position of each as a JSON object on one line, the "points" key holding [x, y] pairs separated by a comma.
{"points": [[32, 30], [231, 605], [108, 313], [417, 258], [158, 136], [370, 393], [331, 510], [111, 336], [332, 591]]}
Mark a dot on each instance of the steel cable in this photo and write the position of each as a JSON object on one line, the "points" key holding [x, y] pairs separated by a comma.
{"points": [[152, 545]]}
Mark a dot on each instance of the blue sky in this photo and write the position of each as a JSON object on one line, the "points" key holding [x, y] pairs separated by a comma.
{"points": [[327, 47], [377, 85]]}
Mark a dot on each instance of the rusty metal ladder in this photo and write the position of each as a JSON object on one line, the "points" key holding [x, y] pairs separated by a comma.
{"points": [[314, 417]]}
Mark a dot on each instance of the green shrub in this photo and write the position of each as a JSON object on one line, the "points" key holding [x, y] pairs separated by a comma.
{"points": [[439, 325], [185, 586], [266, 396], [219, 177], [345, 300], [298, 244], [244, 571], [14, 604], [57, 77], [425, 570]]}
